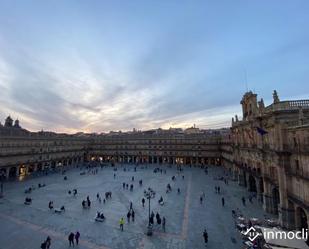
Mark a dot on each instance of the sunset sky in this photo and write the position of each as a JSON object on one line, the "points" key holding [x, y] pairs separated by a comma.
{"points": [[96, 66]]}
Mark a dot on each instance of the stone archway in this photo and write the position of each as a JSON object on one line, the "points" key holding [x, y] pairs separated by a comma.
{"points": [[12, 172], [301, 218], [261, 189], [275, 200], [252, 184], [3, 174]]}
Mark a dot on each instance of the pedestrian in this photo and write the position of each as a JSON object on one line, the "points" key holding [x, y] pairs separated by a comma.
{"points": [[163, 223], [201, 199], [205, 235], [133, 215], [48, 242], [178, 190], [71, 239], [43, 245], [128, 216], [243, 201], [143, 202], [218, 189], [131, 205], [77, 235], [114, 175], [121, 223], [223, 201]]}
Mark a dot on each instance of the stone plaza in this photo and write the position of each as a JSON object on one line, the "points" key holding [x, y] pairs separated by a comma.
{"points": [[27, 226]]}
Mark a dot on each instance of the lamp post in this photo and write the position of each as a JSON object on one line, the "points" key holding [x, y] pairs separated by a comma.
{"points": [[2, 177], [149, 194]]}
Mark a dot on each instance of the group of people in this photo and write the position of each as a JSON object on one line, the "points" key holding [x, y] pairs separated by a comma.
{"points": [[126, 185], [217, 190], [28, 200], [100, 216], [73, 236], [74, 192], [158, 218], [131, 213], [87, 203], [46, 244]]}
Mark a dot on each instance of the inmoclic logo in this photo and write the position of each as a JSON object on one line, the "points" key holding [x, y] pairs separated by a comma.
{"points": [[276, 234]]}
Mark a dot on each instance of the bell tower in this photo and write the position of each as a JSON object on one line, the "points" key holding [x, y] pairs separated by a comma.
{"points": [[249, 105]]}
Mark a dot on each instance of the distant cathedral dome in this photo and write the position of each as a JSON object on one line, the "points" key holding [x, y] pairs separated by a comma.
{"points": [[16, 124]]}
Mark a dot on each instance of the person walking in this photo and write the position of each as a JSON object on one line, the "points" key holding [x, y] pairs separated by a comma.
{"points": [[223, 201], [129, 216], [121, 223], [43, 245], [243, 201], [143, 202], [48, 242], [205, 235], [77, 235], [133, 215], [71, 239]]}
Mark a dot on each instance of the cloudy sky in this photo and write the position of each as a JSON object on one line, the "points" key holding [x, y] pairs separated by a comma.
{"points": [[108, 65]]}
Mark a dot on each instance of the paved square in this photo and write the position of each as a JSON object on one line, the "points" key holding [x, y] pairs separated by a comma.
{"points": [[25, 227]]}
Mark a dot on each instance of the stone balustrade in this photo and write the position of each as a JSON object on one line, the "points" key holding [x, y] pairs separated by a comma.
{"points": [[288, 105]]}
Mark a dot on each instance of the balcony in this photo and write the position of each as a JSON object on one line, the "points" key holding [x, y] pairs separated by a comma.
{"points": [[287, 105]]}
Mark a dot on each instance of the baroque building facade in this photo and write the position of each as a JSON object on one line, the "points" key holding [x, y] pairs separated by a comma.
{"points": [[23, 153], [174, 146], [268, 153]]}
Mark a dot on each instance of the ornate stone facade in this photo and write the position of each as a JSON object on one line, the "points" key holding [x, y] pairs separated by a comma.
{"points": [[173, 146], [23, 152], [269, 155]]}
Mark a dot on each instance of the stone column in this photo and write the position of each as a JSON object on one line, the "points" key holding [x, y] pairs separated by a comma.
{"points": [[241, 178], [7, 172], [283, 192], [267, 198]]}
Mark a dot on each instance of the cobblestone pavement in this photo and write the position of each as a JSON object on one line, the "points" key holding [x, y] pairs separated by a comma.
{"points": [[25, 227]]}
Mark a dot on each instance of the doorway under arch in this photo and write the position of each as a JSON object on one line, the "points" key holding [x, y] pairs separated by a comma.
{"points": [[252, 184], [13, 172], [302, 221], [276, 200]]}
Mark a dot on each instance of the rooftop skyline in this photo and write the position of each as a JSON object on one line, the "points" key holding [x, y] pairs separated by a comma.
{"points": [[95, 66]]}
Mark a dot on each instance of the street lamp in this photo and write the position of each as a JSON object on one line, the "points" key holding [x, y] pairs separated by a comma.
{"points": [[149, 194], [2, 177]]}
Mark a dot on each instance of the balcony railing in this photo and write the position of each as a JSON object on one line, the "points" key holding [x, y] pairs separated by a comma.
{"points": [[288, 105]]}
